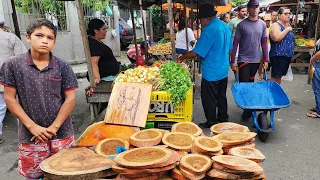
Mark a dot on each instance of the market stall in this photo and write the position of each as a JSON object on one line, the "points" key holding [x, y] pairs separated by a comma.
{"points": [[306, 25]]}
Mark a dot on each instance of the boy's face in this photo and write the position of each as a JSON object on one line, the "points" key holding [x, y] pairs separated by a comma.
{"points": [[42, 40]]}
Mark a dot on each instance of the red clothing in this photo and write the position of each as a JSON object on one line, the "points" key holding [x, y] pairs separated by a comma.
{"points": [[132, 52], [31, 155]]}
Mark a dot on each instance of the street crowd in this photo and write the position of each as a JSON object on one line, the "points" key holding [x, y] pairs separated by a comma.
{"points": [[39, 88]]}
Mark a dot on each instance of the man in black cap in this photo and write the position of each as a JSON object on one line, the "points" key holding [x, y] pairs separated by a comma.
{"points": [[213, 47], [251, 34]]}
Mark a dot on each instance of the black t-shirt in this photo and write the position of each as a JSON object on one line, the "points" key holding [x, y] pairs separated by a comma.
{"points": [[108, 64]]}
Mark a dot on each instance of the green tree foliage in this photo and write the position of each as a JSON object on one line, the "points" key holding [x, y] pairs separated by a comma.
{"points": [[156, 17], [236, 3], [55, 8]]}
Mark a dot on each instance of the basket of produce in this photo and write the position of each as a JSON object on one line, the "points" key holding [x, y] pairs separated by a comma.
{"points": [[172, 95]]}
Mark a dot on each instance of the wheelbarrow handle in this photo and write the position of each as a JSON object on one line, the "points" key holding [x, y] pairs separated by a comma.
{"points": [[236, 76], [265, 75]]}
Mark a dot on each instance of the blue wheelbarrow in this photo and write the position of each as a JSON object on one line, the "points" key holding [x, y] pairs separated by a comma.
{"points": [[261, 97]]}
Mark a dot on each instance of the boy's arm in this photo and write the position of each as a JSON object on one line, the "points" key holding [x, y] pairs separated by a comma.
{"points": [[13, 105], [64, 112]]}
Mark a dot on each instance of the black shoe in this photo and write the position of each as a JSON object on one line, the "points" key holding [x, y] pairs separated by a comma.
{"points": [[1, 140], [204, 125]]}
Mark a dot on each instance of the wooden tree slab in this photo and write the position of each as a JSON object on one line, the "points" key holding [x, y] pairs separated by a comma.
{"points": [[146, 157], [120, 169], [234, 138], [242, 174], [178, 140], [247, 153], [206, 144], [76, 161], [187, 127], [214, 173], [228, 127], [189, 175], [237, 163], [102, 174], [195, 163], [146, 138], [129, 104], [176, 174], [107, 147]]}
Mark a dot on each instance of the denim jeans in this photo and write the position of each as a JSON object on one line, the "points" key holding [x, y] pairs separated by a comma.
{"points": [[3, 109], [316, 86]]}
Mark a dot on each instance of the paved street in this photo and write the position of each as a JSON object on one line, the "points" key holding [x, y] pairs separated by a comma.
{"points": [[292, 151]]}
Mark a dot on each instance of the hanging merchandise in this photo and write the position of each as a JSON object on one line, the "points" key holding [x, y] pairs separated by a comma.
{"points": [[108, 9], [114, 33]]}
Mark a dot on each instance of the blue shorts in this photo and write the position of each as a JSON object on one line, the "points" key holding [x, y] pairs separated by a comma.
{"points": [[280, 65], [181, 51]]}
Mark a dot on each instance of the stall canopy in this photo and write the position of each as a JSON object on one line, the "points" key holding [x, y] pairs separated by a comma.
{"points": [[148, 3], [224, 9], [174, 5]]}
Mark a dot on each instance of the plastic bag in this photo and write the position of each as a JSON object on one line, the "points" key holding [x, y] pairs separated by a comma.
{"points": [[289, 75]]}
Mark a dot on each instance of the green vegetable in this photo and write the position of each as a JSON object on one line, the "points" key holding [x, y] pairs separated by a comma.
{"points": [[300, 42], [164, 41], [175, 80]]}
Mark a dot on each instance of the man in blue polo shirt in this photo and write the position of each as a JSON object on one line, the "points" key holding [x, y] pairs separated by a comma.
{"points": [[213, 46]]}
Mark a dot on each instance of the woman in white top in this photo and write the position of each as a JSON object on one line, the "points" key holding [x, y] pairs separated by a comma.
{"points": [[181, 45]]}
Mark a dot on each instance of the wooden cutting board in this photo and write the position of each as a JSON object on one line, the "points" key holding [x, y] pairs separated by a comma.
{"points": [[129, 104]]}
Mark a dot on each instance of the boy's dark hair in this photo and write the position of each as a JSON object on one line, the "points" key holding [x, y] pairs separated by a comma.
{"points": [[142, 45], [181, 25], [38, 23], [94, 24], [241, 7]]}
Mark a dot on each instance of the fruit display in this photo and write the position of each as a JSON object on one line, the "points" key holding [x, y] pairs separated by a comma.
{"points": [[161, 49], [300, 41], [141, 74], [164, 76]]}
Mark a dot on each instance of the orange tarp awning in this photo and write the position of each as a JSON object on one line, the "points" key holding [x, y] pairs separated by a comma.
{"points": [[224, 9]]}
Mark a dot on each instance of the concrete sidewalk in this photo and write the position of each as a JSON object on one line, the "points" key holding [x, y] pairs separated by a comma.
{"points": [[81, 69]]}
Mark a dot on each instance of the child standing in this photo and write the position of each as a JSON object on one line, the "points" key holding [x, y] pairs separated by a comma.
{"points": [[45, 86]]}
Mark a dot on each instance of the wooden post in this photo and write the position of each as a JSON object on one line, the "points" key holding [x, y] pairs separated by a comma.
{"points": [[296, 20], [134, 29], [162, 20], [143, 27], [15, 20], [317, 25], [186, 22], [85, 42], [171, 24]]}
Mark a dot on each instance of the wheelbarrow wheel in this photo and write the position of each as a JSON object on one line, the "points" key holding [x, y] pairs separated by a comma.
{"points": [[264, 124]]}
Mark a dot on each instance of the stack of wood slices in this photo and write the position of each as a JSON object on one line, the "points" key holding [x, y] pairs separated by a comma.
{"points": [[145, 163], [233, 167], [127, 153]]}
